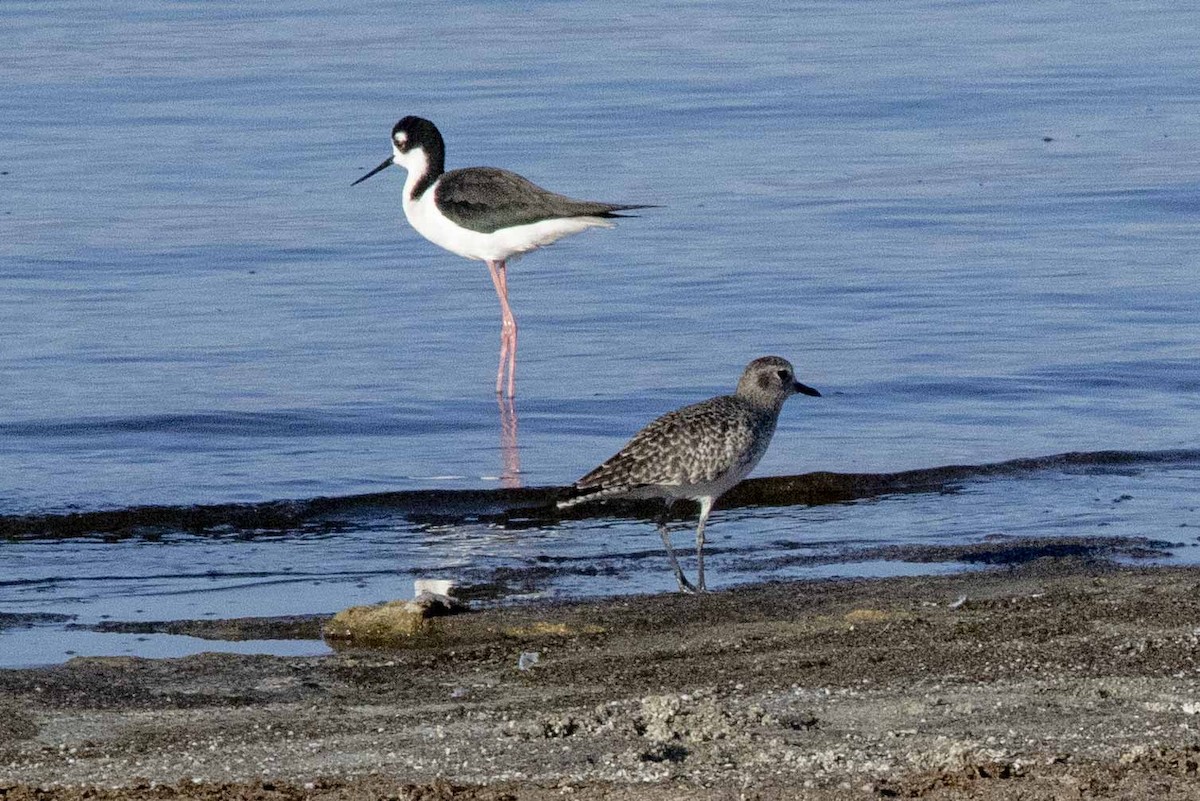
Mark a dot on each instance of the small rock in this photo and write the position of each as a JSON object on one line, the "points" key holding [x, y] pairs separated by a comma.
{"points": [[389, 623]]}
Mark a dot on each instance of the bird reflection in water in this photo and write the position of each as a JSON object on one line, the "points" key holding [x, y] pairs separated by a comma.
{"points": [[510, 454]]}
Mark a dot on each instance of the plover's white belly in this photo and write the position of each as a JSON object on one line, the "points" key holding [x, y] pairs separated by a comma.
{"points": [[505, 243], [704, 489]]}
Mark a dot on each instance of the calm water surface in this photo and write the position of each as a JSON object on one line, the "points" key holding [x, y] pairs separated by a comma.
{"points": [[972, 226]]}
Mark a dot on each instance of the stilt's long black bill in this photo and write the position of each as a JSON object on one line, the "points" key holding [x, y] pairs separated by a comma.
{"points": [[387, 163], [806, 390]]}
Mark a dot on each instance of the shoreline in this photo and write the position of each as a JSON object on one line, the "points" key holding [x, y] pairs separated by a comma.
{"points": [[1061, 675], [523, 505]]}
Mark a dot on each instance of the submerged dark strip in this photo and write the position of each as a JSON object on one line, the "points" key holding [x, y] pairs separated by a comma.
{"points": [[532, 506]]}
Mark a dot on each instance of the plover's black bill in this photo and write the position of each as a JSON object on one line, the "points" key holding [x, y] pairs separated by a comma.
{"points": [[804, 389], [386, 163]]}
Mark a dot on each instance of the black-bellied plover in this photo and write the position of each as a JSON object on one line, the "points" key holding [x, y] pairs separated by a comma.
{"points": [[486, 214], [697, 452]]}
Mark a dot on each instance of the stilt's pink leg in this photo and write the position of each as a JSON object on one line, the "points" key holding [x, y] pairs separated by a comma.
{"points": [[508, 329], [494, 272], [511, 324]]}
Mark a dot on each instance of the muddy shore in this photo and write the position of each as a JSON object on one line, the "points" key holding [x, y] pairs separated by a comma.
{"points": [[1060, 677]]}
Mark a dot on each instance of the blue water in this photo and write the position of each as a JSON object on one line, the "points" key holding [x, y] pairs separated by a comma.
{"points": [[971, 225]]}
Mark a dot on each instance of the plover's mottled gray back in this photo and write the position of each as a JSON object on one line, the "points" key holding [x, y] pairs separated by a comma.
{"points": [[697, 452]]}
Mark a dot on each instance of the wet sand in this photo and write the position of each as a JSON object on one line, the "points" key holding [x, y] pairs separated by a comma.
{"points": [[1058, 675]]}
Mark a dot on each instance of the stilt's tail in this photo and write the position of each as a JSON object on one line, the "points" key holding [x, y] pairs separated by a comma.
{"points": [[614, 209]]}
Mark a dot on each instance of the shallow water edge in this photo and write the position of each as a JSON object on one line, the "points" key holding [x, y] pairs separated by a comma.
{"points": [[523, 507]]}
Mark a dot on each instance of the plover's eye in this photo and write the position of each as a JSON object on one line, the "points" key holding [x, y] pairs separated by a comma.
{"points": [[785, 376]]}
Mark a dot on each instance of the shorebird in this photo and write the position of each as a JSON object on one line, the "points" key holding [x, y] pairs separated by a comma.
{"points": [[485, 213], [697, 452]]}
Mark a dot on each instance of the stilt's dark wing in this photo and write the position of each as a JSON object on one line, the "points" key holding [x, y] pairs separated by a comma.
{"points": [[485, 199]]}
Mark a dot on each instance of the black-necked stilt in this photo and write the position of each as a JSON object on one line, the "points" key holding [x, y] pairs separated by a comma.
{"points": [[698, 452], [484, 213]]}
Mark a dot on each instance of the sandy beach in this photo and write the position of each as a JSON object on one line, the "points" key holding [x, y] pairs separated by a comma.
{"points": [[1058, 675]]}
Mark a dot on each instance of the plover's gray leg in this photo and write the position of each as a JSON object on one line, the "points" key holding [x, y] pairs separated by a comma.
{"points": [[706, 505], [684, 584]]}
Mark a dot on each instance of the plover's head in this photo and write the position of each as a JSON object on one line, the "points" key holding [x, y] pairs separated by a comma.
{"points": [[417, 146], [769, 381]]}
